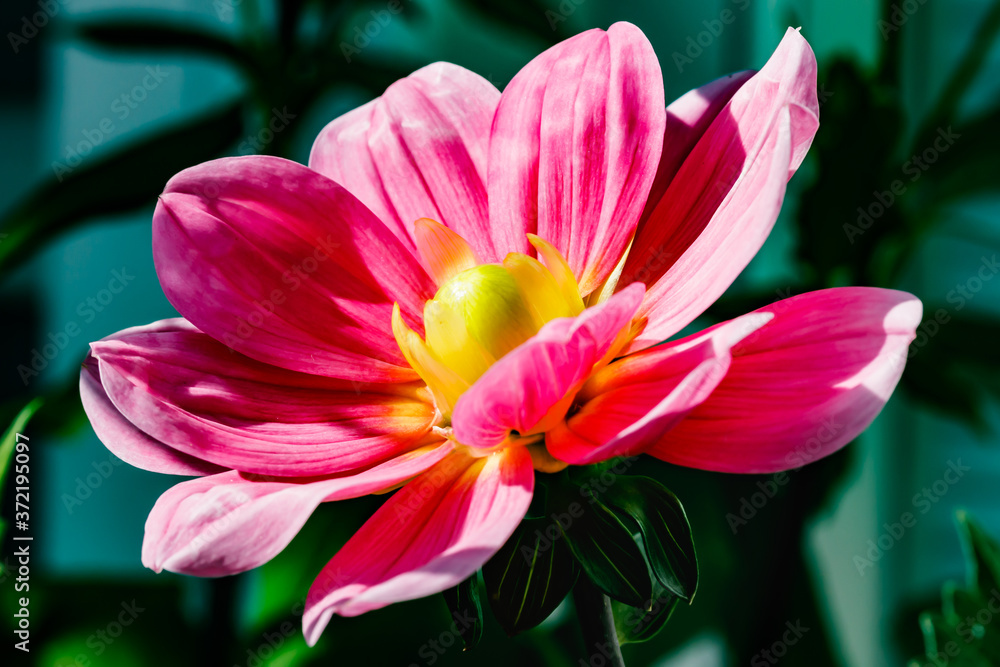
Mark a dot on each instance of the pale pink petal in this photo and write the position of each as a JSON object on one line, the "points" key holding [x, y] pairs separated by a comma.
{"points": [[287, 267], [185, 389], [233, 522], [687, 119], [803, 385], [419, 151], [574, 149], [520, 390], [125, 440], [629, 404], [724, 199], [429, 536]]}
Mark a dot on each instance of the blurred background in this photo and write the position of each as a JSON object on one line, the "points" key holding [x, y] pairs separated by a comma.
{"points": [[104, 100]]}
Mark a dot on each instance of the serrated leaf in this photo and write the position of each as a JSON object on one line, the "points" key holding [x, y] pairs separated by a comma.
{"points": [[466, 610], [606, 551], [529, 576], [666, 532]]}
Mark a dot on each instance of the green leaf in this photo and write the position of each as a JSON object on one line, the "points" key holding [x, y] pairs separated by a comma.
{"points": [[666, 532], [530, 575], [606, 550], [636, 624], [123, 181], [8, 444], [9, 441], [143, 35], [983, 555], [466, 610]]}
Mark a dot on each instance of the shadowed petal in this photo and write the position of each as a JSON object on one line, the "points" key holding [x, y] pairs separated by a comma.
{"points": [[125, 440], [720, 206], [429, 536], [574, 149], [803, 385], [629, 404], [287, 267], [534, 383], [233, 522], [419, 151], [186, 389]]}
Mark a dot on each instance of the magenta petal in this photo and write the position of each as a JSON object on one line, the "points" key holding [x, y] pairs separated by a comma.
{"points": [[520, 389], [803, 385], [723, 201], [123, 438], [233, 522], [574, 148], [184, 388], [430, 535], [287, 267], [687, 119], [629, 404], [419, 151]]}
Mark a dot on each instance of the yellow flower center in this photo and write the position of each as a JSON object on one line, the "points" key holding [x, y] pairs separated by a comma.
{"points": [[481, 311]]}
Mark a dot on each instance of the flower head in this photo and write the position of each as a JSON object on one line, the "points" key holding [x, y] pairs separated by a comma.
{"points": [[465, 289]]}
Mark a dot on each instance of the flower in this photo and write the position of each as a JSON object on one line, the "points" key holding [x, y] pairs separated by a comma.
{"points": [[464, 288]]}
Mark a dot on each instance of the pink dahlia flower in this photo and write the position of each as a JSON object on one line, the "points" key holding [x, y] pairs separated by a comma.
{"points": [[465, 287]]}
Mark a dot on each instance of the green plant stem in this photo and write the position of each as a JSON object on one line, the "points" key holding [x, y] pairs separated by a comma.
{"points": [[593, 608]]}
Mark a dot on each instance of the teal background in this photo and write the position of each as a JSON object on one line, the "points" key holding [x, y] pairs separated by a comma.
{"points": [[795, 560]]}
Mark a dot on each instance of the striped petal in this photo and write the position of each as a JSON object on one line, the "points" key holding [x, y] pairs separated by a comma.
{"points": [[720, 206], [574, 148], [802, 386], [233, 522], [419, 151], [184, 388], [628, 405], [429, 536], [285, 266], [534, 384]]}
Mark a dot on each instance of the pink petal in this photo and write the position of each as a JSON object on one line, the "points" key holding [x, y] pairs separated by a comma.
{"points": [[233, 522], [722, 203], [520, 390], [186, 389], [287, 267], [429, 536], [803, 385], [629, 404], [574, 148], [419, 151], [124, 439], [688, 117]]}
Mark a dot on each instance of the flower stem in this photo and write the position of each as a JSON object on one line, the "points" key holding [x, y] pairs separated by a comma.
{"points": [[593, 609]]}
